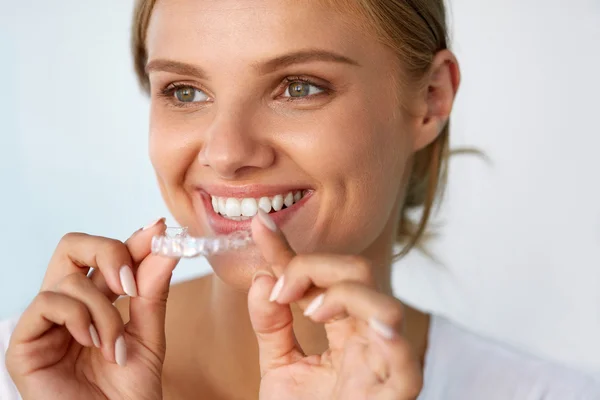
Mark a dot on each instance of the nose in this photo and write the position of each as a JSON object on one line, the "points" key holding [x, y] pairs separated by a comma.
{"points": [[232, 146]]}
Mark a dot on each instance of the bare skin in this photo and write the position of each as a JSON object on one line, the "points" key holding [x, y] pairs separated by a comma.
{"points": [[223, 120], [235, 373]]}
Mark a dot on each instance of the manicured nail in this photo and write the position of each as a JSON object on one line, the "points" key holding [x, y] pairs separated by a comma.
{"points": [[152, 224], [259, 273], [266, 220], [314, 305], [276, 289], [121, 351], [387, 332], [94, 335], [128, 281]]}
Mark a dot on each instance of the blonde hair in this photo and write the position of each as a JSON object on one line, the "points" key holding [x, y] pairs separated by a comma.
{"points": [[416, 30]]}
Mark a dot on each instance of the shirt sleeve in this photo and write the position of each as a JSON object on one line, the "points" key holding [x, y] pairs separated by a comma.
{"points": [[8, 391], [461, 365]]}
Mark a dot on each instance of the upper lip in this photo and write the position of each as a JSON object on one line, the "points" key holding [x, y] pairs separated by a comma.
{"points": [[249, 191]]}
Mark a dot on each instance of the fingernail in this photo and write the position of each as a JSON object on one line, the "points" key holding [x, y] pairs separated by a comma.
{"points": [[121, 351], [266, 220], [260, 273], [314, 305], [128, 281], [276, 289], [152, 224], [94, 335], [380, 328]]}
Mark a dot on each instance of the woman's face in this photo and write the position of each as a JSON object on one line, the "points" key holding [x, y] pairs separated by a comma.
{"points": [[254, 100]]}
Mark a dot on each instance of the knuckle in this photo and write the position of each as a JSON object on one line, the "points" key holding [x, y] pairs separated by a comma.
{"points": [[394, 313], [361, 268], [113, 246], [45, 297], [342, 290], [70, 282], [296, 267], [69, 239]]}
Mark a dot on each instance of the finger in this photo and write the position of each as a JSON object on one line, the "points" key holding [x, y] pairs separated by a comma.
{"points": [[272, 324], [147, 311], [383, 313], [78, 252], [49, 309], [271, 242], [139, 247], [106, 319], [323, 271]]}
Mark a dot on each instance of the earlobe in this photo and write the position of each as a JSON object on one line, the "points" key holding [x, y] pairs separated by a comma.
{"points": [[441, 89]]}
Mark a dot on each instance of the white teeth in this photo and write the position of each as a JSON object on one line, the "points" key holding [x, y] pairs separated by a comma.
{"points": [[277, 202], [243, 209], [249, 207], [221, 202], [233, 208], [289, 200], [215, 204], [264, 204]]}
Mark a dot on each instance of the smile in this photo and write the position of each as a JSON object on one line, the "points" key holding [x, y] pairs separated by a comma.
{"points": [[240, 209]]}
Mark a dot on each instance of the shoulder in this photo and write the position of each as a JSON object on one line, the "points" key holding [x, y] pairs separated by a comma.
{"points": [[465, 366], [8, 391]]}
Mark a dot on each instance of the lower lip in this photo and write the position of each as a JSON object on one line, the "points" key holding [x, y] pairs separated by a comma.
{"points": [[223, 226]]}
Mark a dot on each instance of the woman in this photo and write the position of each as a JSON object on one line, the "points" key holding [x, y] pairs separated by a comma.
{"points": [[317, 124]]}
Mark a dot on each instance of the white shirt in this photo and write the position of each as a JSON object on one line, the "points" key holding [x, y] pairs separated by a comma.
{"points": [[8, 391], [459, 366]]}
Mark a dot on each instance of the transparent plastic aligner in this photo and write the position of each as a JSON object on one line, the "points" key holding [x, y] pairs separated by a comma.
{"points": [[177, 243]]}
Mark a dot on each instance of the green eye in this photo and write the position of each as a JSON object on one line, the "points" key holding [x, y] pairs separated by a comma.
{"points": [[301, 89], [188, 94]]}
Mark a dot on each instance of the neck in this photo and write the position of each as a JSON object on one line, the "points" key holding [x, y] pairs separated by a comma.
{"points": [[224, 344]]}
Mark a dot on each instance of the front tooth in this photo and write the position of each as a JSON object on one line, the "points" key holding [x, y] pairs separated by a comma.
{"points": [[249, 207], [221, 202], [289, 200], [277, 202], [233, 208], [264, 204], [297, 196], [215, 204]]}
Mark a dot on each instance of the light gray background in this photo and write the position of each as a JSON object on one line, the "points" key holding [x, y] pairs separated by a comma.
{"points": [[521, 238]]}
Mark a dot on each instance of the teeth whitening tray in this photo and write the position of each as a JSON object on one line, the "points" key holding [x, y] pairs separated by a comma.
{"points": [[177, 243]]}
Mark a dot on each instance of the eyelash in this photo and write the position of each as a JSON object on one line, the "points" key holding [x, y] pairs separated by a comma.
{"points": [[168, 92]]}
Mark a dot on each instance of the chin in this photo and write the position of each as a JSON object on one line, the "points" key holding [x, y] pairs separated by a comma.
{"points": [[236, 268]]}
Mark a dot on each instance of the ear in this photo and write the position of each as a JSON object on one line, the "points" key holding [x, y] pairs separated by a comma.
{"points": [[437, 99]]}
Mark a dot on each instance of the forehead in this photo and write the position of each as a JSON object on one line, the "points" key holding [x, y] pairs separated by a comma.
{"points": [[250, 29]]}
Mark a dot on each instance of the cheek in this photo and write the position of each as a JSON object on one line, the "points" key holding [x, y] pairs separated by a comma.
{"points": [[358, 154], [170, 147]]}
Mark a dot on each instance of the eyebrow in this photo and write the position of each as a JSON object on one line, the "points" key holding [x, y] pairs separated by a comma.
{"points": [[264, 68], [175, 67], [301, 57]]}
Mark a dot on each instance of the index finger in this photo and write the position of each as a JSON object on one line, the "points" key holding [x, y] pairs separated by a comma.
{"points": [[139, 248], [271, 242]]}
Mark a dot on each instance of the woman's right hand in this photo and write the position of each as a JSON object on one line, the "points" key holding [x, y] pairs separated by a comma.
{"points": [[71, 342]]}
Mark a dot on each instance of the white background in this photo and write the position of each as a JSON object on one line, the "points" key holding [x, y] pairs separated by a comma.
{"points": [[520, 244]]}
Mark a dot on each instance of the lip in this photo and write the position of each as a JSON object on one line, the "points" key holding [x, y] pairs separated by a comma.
{"points": [[223, 226], [247, 191]]}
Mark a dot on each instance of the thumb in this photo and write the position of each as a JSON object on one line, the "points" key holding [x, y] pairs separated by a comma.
{"points": [[273, 325], [147, 311]]}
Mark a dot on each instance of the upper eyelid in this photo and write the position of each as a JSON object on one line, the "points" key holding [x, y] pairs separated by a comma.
{"points": [[287, 80]]}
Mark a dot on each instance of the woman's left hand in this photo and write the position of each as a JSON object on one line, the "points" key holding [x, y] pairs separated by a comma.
{"points": [[367, 358]]}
